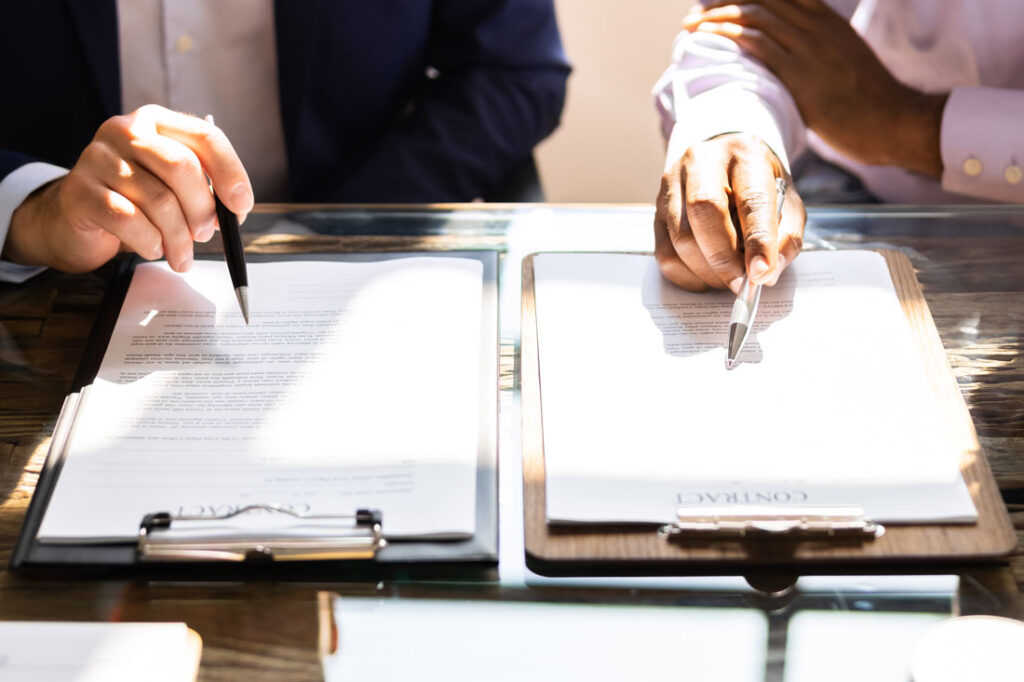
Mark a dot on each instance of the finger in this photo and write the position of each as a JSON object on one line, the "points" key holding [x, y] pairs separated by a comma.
{"points": [[157, 201], [791, 232], [754, 16], [178, 168], [755, 42], [756, 198], [99, 208], [680, 231], [717, 260], [216, 154], [673, 269], [674, 243], [793, 12]]}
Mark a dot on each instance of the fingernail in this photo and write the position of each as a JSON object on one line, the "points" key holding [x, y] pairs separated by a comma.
{"points": [[185, 264], [779, 267], [758, 268], [241, 198], [736, 285], [205, 232]]}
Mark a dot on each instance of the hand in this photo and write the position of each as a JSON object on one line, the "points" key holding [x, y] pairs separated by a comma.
{"points": [[697, 239], [139, 185], [844, 93]]}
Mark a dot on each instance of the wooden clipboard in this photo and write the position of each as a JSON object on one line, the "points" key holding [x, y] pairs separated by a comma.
{"points": [[604, 549]]}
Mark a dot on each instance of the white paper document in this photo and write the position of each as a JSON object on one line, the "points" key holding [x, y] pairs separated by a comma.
{"points": [[357, 385], [96, 652], [392, 640], [830, 404]]}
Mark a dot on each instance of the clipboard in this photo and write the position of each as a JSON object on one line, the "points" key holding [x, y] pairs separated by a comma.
{"points": [[729, 545], [356, 547]]}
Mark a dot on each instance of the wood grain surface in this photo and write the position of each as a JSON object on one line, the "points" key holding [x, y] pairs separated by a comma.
{"points": [[574, 549], [265, 631]]}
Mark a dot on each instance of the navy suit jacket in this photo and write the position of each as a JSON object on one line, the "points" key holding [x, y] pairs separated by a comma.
{"points": [[361, 120]]}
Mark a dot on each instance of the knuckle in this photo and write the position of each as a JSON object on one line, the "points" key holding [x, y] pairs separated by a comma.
{"points": [[797, 242], [115, 126], [147, 111], [183, 164], [210, 135], [745, 142], [720, 260], [702, 205], [163, 200], [681, 236], [754, 202], [74, 184], [757, 238], [115, 211]]}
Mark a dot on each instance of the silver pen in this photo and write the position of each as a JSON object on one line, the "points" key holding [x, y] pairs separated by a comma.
{"points": [[745, 308]]}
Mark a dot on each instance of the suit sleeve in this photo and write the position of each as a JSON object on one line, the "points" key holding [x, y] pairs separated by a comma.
{"points": [[495, 90]]}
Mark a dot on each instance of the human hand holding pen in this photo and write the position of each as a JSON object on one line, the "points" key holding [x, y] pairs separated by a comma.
{"points": [[234, 253], [698, 243], [744, 310], [139, 185]]}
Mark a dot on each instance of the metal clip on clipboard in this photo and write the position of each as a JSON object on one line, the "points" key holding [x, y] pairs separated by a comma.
{"points": [[740, 522], [359, 538]]}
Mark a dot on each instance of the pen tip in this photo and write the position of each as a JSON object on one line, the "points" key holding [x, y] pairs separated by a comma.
{"points": [[243, 301], [729, 363]]}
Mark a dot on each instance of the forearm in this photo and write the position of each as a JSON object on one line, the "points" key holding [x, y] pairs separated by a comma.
{"points": [[914, 139]]}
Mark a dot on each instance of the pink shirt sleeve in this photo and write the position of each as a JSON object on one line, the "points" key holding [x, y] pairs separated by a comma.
{"points": [[712, 88], [982, 143]]}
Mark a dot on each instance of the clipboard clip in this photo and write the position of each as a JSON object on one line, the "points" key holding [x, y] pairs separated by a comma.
{"points": [[351, 536], [742, 521]]}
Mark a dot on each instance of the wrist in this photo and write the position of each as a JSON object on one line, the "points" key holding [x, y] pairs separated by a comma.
{"points": [[916, 142], [26, 238]]}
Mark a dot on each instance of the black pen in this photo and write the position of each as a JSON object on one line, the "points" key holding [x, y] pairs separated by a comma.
{"points": [[233, 252]]}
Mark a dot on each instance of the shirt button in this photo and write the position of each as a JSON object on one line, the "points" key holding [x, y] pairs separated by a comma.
{"points": [[183, 43], [972, 167], [1013, 174]]}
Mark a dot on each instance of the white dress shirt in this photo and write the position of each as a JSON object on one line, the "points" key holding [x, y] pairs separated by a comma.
{"points": [[973, 49], [196, 56]]}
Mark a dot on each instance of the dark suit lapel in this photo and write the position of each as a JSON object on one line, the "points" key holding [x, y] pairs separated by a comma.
{"points": [[96, 23], [296, 25]]}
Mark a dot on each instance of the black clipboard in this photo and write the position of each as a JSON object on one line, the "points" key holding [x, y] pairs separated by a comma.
{"points": [[397, 557]]}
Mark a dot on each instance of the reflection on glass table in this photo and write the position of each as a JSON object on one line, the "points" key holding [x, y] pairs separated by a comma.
{"points": [[969, 263]]}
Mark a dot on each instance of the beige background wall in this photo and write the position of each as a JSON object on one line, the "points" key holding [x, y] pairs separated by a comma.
{"points": [[609, 147]]}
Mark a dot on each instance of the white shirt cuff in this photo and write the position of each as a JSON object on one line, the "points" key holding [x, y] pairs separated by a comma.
{"points": [[14, 189], [723, 110], [982, 143]]}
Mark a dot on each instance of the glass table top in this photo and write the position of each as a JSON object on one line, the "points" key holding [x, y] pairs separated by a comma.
{"points": [[511, 623]]}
